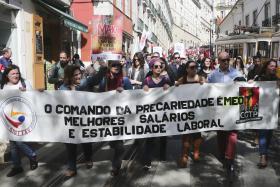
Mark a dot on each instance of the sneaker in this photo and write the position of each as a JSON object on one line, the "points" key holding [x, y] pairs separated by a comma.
{"points": [[147, 167], [33, 163], [70, 173], [15, 171]]}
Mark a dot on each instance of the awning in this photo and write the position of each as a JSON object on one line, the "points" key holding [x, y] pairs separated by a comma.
{"points": [[67, 19]]}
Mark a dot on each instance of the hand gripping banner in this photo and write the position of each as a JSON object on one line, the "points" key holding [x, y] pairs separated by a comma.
{"points": [[77, 117]]}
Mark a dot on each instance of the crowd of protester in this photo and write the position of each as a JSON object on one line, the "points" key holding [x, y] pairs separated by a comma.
{"points": [[144, 71]]}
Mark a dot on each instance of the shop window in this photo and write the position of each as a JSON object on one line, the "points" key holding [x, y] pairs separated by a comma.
{"points": [[275, 50], [263, 49], [251, 49]]}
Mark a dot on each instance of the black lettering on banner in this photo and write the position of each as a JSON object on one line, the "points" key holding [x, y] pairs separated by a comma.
{"points": [[71, 133], [85, 133], [139, 108], [68, 121], [48, 108], [123, 110], [220, 101], [57, 109]]}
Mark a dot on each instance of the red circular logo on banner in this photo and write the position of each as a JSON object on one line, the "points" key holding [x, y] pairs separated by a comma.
{"points": [[18, 116]]}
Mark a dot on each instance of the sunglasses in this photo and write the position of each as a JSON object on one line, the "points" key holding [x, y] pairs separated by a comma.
{"points": [[177, 58], [136, 59], [158, 66]]}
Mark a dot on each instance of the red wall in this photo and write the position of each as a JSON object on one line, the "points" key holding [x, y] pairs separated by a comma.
{"points": [[83, 11]]}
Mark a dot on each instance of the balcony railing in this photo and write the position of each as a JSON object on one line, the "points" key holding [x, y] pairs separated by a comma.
{"points": [[276, 19], [266, 22]]}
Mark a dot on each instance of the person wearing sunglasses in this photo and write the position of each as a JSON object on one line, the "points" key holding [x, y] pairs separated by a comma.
{"points": [[226, 139], [155, 80], [190, 77], [175, 63], [137, 72]]}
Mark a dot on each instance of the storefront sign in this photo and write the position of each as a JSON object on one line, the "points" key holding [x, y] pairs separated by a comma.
{"points": [[58, 116]]}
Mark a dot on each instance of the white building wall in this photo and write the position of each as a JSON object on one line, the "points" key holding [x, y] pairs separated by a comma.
{"points": [[239, 13], [150, 24]]}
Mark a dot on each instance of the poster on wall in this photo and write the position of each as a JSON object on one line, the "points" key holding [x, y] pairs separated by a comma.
{"points": [[107, 37]]}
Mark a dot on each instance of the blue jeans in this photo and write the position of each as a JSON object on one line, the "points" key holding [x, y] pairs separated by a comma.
{"points": [[264, 141], [15, 147]]}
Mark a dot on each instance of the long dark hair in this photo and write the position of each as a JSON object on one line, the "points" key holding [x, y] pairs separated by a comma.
{"points": [[69, 73], [241, 63], [141, 59], [5, 78], [265, 65], [186, 67]]}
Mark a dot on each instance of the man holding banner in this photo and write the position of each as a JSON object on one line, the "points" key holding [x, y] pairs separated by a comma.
{"points": [[226, 139]]}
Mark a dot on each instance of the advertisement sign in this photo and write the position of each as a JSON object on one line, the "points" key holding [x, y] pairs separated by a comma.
{"points": [[107, 37]]}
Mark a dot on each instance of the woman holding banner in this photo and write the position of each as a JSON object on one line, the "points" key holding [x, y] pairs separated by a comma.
{"points": [[137, 72], [191, 76], [268, 73], [155, 80], [12, 80], [73, 81]]}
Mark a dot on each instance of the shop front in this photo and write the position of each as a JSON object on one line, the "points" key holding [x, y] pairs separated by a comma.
{"points": [[54, 31]]}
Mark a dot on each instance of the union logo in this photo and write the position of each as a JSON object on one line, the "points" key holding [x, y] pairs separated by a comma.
{"points": [[18, 116], [249, 110]]}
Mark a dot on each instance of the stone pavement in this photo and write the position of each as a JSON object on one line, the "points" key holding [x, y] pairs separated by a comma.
{"points": [[208, 172]]}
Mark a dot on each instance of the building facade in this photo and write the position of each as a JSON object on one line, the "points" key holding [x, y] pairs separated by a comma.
{"points": [[153, 17], [251, 27], [192, 22], [37, 31], [107, 21]]}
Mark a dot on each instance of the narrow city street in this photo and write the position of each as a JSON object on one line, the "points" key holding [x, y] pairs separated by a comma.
{"points": [[208, 172]]}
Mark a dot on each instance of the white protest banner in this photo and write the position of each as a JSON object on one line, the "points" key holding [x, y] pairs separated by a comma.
{"points": [[76, 117], [157, 49], [180, 48]]}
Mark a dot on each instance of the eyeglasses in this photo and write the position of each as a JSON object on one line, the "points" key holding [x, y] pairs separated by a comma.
{"points": [[158, 66], [177, 58]]}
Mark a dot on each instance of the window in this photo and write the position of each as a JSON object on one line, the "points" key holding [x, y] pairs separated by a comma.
{"points": [[127, 7], [247, 20], [266, 10], [255, 14], [222, 14], [275, 49], [277, 6], [119, 4]]}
